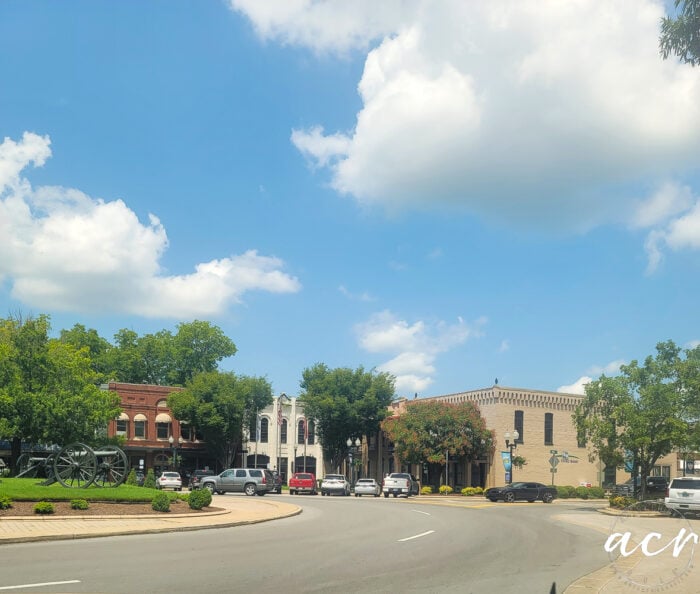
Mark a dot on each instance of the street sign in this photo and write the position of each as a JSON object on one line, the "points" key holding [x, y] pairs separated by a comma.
{"points": [[552, 470], [553, 461], [553, 452]]}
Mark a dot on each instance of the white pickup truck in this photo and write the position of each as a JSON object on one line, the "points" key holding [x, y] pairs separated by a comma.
{"points": [[399, 483]]}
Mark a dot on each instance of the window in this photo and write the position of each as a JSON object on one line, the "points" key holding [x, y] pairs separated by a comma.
{"points": [[300, 431], [162, 430], [312, 433], [186, 432], [548, 429], [123, 425], [264, 425], [139, 429], [283, 431], [252, 431], [518, 425]]}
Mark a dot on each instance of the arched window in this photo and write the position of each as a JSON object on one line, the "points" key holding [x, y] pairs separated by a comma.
{"points": [[252, 430], [123, 425], [264, 424], [300, 431], [283, 431], [140, 421], [312, 432]]}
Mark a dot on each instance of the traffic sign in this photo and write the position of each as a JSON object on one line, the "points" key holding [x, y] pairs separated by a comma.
{"points": [[553, 461]]}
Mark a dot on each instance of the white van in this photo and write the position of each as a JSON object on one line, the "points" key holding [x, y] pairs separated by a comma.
{"points": [[683, 494]]}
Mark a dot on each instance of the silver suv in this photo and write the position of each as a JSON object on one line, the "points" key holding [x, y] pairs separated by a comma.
{"points": [[684, 494], [251, 481]]}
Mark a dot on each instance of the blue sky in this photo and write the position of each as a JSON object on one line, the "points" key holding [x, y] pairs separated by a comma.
{"points": [[451, 193]]}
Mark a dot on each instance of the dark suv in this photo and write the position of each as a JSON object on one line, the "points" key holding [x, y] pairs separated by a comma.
{"points": [[655, 487], [196, 477]]}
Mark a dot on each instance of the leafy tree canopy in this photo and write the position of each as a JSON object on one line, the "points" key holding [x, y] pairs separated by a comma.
{"points": [[680, 34], [429, 430], [47, 388], [344, 403], [218, 406]]}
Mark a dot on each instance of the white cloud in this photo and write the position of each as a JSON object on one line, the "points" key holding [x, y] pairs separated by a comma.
{"points": [[493, 107], [364, 296], [63, 250], [413, 347], [692, 344], [578, 387], [505, 346], [669, 200]]}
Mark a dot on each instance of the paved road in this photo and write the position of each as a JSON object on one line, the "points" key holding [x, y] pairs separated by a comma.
{"points": [[337, 545]]}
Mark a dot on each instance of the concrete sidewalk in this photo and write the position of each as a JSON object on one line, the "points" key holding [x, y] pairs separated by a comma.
{"points": [[234, 511]]}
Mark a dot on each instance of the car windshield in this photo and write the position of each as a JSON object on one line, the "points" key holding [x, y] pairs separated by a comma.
{"points": [[685, 484], [171, 475], [365, 481], [334, 477], [304, 476]]}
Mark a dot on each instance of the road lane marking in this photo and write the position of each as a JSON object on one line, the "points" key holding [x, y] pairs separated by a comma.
{"points": [[416, 536], [39, 585], [420, 512]]}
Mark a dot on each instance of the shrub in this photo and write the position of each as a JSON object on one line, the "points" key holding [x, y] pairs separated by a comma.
{"points": [[566, 492], [596, 492], [79, 504], [161, 502], [620, 502], [150, 480], [582, 492], [131, 478], [471, 491], [44, 507], [445, 489], [427, 490], [5, 502], [199, 498]]}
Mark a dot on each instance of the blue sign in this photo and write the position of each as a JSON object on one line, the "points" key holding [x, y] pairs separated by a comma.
{"points": [[506, 461]]}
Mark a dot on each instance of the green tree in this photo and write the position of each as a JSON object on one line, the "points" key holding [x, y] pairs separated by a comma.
{"points": [[217, 405], [680, 35], [44, 383], [97, 347], [598, 419], [430, 431], [344, 403], [644, 411], [198, 347]]}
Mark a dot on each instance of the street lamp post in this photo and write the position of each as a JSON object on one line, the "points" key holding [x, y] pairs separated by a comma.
{"points": [[352, 449], [172, 441], [511, 445], [295, 459]]}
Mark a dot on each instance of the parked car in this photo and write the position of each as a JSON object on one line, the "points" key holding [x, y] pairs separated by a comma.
{"points": [[302, 482], [522, 492], [251, 481], [278, 482], [655, 487], [367, 486], [683, 494], [169, 480], [335, 484], [197, 476]]}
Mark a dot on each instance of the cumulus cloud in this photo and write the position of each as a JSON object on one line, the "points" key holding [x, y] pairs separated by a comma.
{"points": [[364, 296], [511, 110], [578, 387], [413, 348], [63, 250]]}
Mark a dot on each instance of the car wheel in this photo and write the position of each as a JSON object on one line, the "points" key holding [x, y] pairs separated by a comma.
{"points": [[510, 497], [547, 498], [292, 492], [395, 495], [492, 500], [210, 488], [250, 489], [376, 494], [386, 495]]}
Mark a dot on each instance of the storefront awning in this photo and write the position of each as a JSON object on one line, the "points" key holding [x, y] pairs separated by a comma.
{"points": [[140, 417], [163, 418], [123, 417]]}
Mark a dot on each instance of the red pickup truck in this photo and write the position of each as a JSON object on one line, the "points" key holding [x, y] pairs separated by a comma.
{"points": [[302, 482]]}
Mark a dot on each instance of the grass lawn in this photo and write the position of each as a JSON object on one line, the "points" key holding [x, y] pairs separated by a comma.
{"points": [[31, 489]]}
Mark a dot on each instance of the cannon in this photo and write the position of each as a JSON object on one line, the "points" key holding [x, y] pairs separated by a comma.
{"points": [[78, 465]]}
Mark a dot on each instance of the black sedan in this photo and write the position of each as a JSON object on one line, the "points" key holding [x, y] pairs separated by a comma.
{"points": [[522, 492]]}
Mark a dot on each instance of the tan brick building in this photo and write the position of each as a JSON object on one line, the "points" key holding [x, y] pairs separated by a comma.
{"points": [[547, 439]]}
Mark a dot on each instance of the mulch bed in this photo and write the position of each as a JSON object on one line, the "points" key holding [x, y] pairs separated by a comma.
{"points": [[99, 508]]}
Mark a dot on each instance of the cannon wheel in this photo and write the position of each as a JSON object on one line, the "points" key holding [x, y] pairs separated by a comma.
{"points": [[112, 468], [75, 466], [23, 463]]}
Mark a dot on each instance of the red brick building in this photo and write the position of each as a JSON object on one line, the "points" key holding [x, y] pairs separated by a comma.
{"points": [[154, 438]]}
